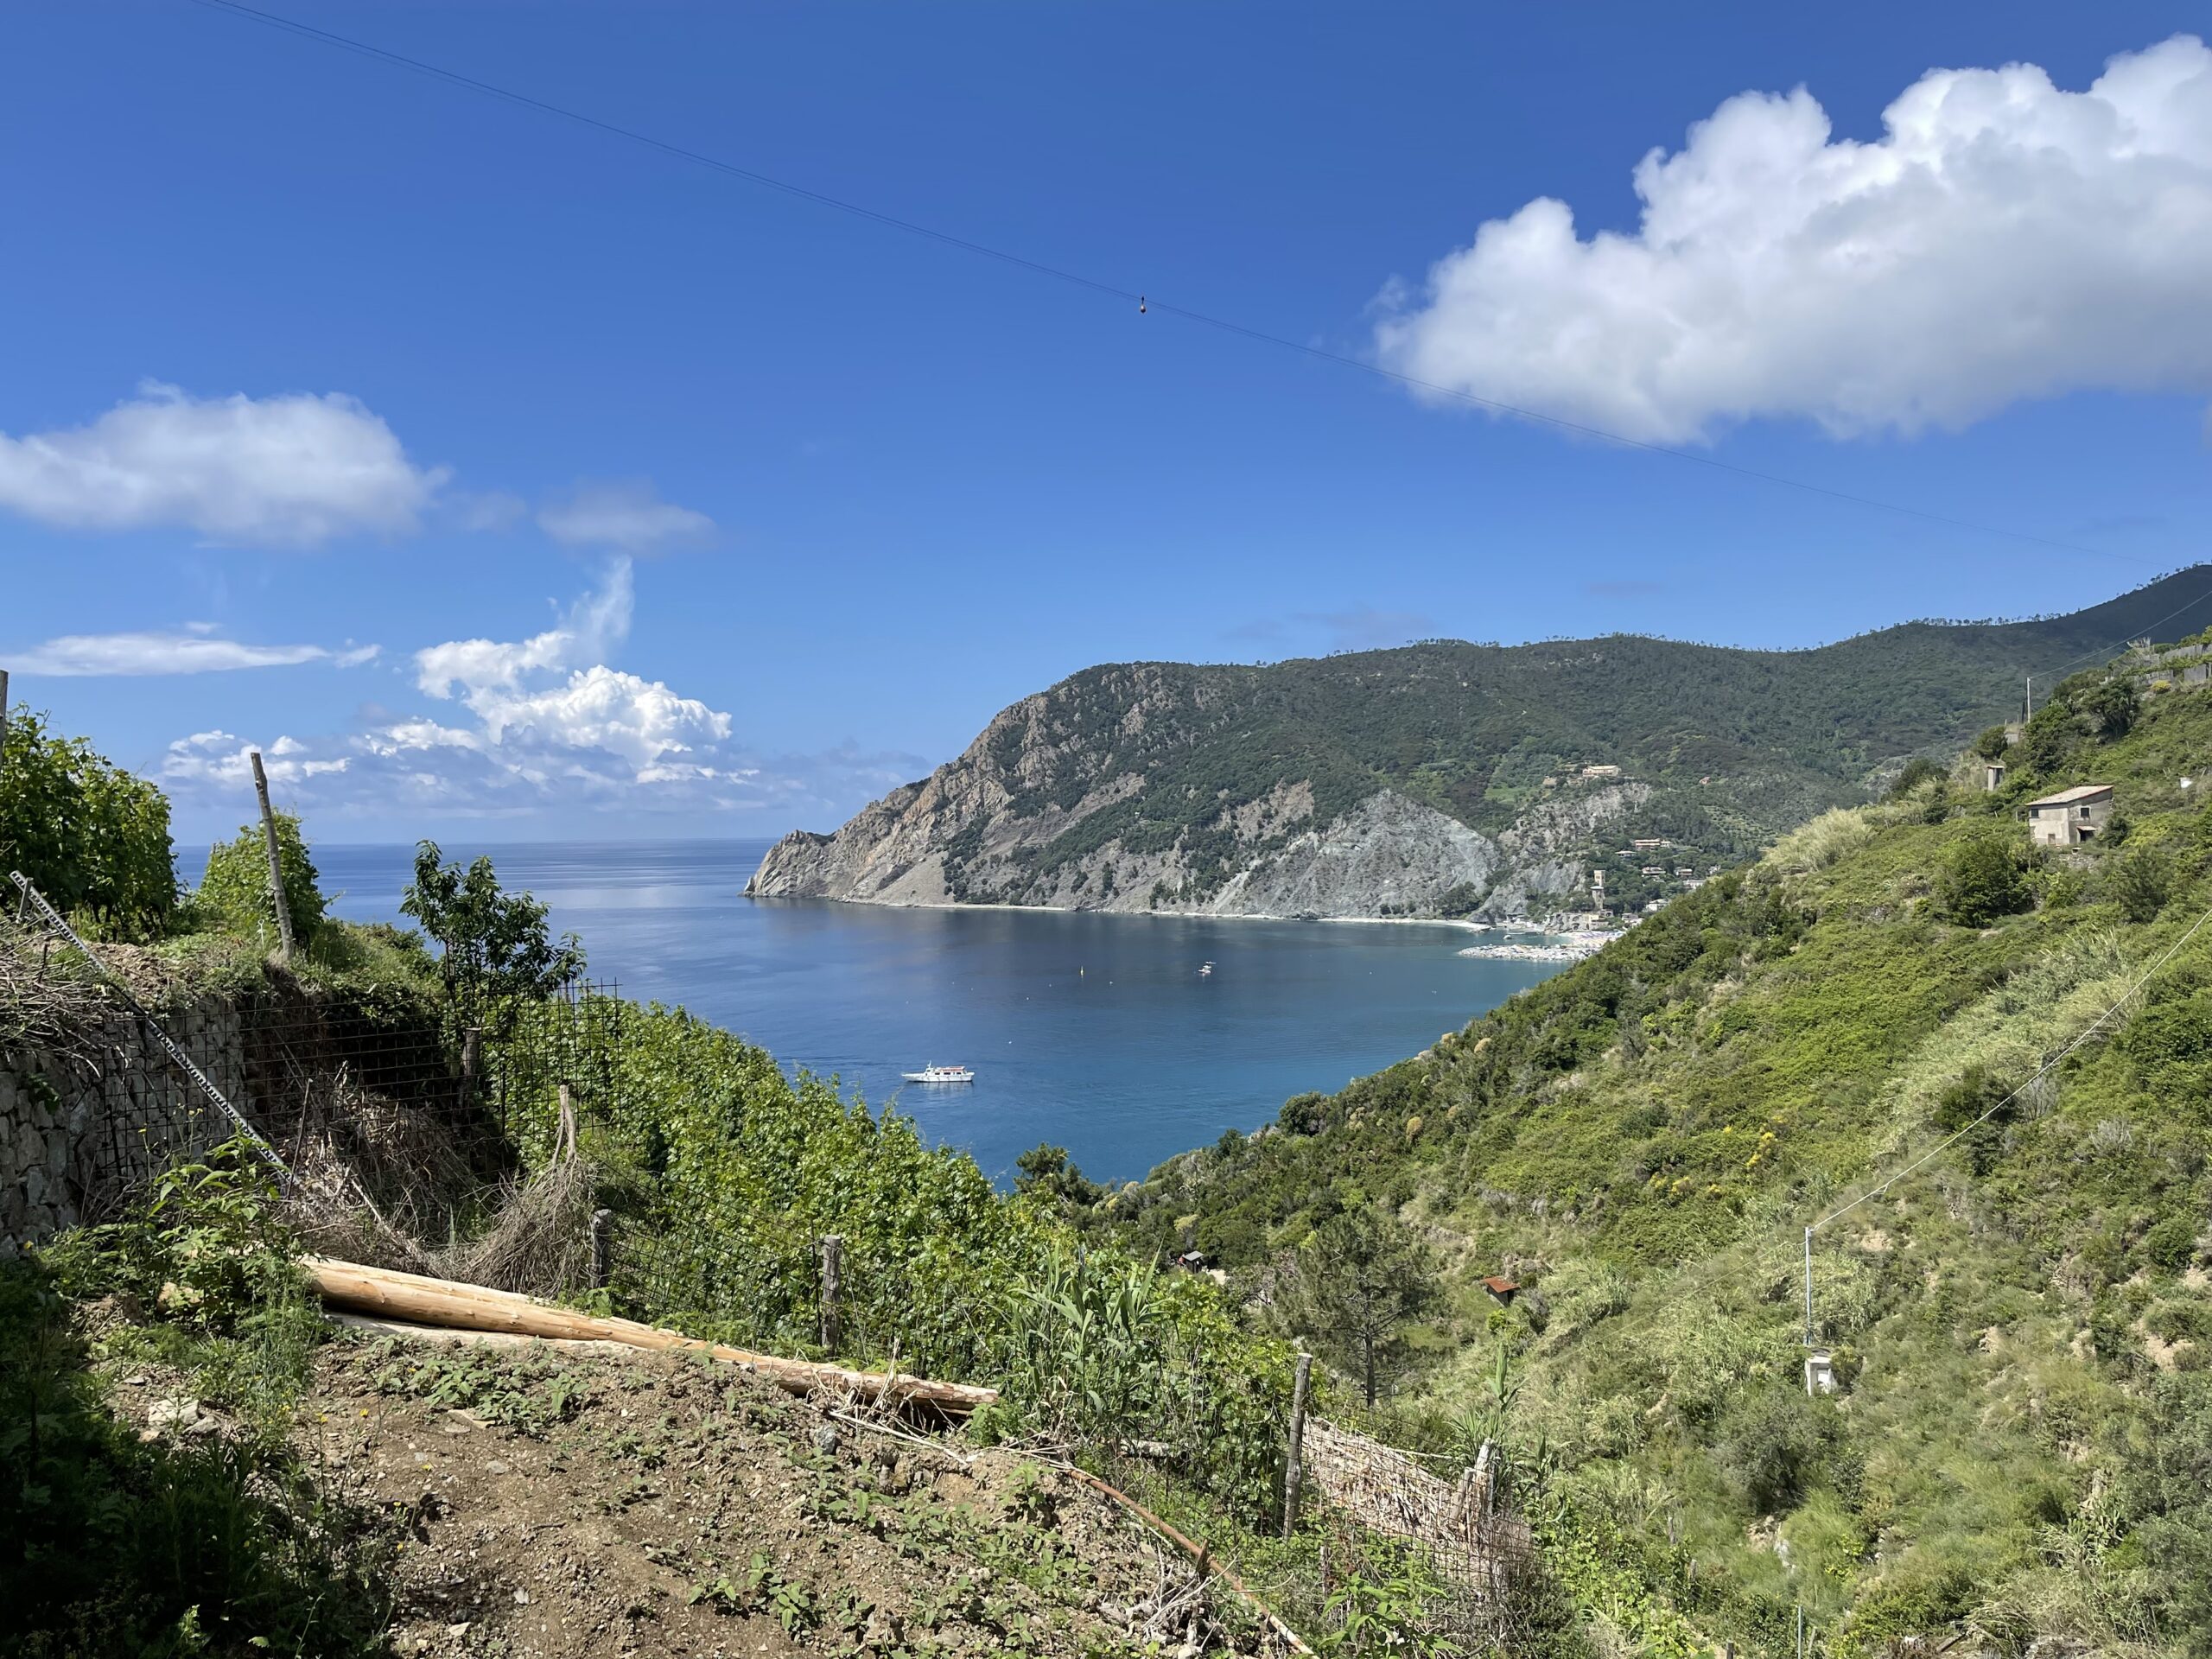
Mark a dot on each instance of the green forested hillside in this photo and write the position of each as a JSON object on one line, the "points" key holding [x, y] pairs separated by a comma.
{"points": [[2022, 1450], [1738, 744]]}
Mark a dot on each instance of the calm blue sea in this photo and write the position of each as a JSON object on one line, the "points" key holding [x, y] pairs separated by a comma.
{"points": [[1093, 1032]]}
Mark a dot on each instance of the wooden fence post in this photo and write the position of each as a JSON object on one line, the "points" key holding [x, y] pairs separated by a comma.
{"points": [[269, 834], [833, 1283], [275, 862], [1290, 1468], [602, 1248]]}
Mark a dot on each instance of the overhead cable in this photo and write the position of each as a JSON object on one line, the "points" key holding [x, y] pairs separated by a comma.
{"points": [[1143, 300]]}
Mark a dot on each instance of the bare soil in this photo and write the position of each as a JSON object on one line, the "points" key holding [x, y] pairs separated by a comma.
{"points": [[555, 1504]]}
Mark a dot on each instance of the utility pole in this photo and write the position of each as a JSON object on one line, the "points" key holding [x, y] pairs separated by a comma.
{"points": [[1808, 1287], [275, 862], [2031, 713]]}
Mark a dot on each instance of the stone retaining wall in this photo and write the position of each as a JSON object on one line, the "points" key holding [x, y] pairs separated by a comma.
{"points": [[77, 1132]]}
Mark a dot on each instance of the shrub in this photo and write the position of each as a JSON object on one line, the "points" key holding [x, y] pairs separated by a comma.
{"points": [[1304, 1114], [2141, 881], [2111, 705], [1918, 771], [93, 838], [2170, 1042], [2170, 1492], [1770, 1444], [234, 893], [112, 1545], [1963, 1104], [1362, 1278], [205, 1249], [1992, 743], [2172, 1242], [494, 947], [2052, 735], [1048, 1170], [1982, 879]]}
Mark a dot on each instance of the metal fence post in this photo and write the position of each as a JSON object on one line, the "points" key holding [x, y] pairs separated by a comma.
{"points": [[1290, 1468], [833, 1282]]}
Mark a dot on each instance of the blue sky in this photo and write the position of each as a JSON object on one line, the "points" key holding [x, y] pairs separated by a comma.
{"points": [[671, 505]]}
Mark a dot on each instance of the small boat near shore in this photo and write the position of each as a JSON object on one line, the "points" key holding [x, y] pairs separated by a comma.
{"points": [[940, 1074]]}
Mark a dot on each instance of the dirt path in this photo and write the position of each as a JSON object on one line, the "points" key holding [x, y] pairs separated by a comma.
{"points": [[560, 1504]]}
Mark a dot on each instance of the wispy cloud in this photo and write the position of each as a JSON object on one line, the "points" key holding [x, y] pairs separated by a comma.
{"points": [[625, 517], [193, 651]]}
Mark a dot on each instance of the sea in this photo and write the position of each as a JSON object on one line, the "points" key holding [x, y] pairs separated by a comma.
{"points": [[1094, 1032]]}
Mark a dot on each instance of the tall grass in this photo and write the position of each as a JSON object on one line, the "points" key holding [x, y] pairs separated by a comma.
{"points": [[1821, 842]]}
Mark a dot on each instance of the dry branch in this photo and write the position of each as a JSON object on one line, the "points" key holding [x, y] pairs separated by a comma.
{"points": [[385, 1294], [1201, 1558]]}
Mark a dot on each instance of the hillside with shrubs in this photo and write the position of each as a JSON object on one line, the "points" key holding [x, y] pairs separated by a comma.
{"points": [[198, 1462], [2018, 1455]]}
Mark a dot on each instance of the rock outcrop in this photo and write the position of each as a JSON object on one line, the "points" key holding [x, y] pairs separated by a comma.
{"points": [[1043, 809]]}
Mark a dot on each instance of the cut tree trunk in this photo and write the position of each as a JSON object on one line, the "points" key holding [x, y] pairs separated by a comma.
{"points": [[384, 1294]]}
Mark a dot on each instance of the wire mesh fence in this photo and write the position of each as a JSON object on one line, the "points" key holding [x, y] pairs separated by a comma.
{"points": [[94, 1098], [1457, 1546], [112, 1070]]}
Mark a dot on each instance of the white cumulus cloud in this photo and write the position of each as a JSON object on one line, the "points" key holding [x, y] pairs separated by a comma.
{"points": [[219, 758], [628, 517], [600, 708], [538, 725], [291, 470], [193, 651], [594, 627], [2002, 240]]}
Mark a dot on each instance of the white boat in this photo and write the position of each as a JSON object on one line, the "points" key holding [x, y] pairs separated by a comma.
{"points": [[940, 1074], [1205, 969]]}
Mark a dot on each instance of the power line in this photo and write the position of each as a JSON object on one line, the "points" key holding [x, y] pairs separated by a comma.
{"points": [[2047, 1067], [1142, 299], [2150, 632]]}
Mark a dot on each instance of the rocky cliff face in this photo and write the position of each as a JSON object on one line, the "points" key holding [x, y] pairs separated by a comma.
{"points": [[1046, 809], [1442, 778]]}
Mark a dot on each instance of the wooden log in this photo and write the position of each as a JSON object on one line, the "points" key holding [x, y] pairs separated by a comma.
{"points": [[384, 1293], [446, 1335]]}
